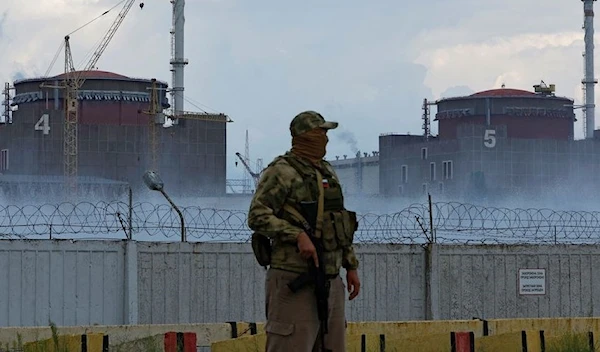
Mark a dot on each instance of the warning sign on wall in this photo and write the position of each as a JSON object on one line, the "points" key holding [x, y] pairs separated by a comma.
{"points": [[532, 281]]}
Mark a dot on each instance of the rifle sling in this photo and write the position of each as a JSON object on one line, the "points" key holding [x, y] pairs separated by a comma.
{"points": [[321, 204]]}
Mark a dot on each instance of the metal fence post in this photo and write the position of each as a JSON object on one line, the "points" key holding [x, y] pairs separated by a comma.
{"points": [[130, 213]]}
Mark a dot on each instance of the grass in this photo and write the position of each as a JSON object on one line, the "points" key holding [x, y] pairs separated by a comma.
{"points": [[57, 343], [54, 344], [16, 345], [572, 342]]}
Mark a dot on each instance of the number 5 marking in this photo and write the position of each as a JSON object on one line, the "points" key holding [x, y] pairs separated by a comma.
{"points": [[489, 139], [43, 124]]}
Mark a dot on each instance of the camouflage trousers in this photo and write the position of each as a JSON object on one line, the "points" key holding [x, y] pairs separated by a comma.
{"points": [[292, 320]]}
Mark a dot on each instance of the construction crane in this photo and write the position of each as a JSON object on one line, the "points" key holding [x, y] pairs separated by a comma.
{"points": [[73, 81], [156, 117], [255, 175], [201, 116]]}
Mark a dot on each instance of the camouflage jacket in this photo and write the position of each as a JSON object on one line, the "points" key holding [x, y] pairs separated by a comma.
{"points": [[281, 183]]}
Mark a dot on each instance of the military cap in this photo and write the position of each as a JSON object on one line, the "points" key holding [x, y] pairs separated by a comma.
{"points": [[308, 120]]}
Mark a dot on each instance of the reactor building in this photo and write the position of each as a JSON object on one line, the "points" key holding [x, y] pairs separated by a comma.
{"points": [[493, 144], [113, 143]]}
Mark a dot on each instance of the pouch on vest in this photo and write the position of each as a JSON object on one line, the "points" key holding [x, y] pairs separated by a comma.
{"points": [[345, 225], [328, 236], [261, 245]]}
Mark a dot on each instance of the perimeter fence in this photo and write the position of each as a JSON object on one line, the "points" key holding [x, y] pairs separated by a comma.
{"points": [[449, 222]]}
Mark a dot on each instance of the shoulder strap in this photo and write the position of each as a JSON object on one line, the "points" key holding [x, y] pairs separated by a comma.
{"points": [[321, 204]]}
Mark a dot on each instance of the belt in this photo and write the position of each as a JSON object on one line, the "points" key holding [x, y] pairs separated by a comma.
{"points": [[328, 276]]}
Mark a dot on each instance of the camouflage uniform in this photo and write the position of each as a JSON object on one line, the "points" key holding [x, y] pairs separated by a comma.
{"points": [[292, 318]]}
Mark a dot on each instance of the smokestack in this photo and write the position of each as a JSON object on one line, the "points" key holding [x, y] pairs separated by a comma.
{"points": [[589, 80], [178, 61]]}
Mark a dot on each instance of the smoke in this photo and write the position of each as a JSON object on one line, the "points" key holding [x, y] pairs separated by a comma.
{"points": [[332, 111], [349, 138], [19, 76]]}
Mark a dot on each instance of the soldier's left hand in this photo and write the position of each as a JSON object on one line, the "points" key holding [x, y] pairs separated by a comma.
{"points": [[353, 283]]}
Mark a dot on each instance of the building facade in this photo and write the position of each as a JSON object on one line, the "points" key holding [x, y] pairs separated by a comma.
{"points": [[359, 176], [493, 145], [113, 139]]}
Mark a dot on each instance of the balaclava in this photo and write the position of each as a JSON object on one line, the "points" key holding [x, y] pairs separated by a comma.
{"points": [[309, 137], [310, 145]]}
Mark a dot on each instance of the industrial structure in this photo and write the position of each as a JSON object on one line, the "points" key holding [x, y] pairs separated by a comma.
{"points": [[104, 129], [589, 81], [494, 143], [114, 135], [359, 175]]}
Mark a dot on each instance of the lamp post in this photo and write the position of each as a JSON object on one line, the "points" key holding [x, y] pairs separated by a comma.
{"points": [[154, 183]]}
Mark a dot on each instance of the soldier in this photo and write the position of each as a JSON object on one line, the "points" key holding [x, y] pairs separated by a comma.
{"points": [[281, 242]]}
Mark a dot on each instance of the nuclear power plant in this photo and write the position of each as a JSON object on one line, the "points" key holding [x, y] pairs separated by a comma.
{"points": [[114, 143], [96, 133], [492, 145], [92, 134]]}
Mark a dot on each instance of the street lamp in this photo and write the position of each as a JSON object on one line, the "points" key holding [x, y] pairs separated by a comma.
{"points": [[154, 183]]}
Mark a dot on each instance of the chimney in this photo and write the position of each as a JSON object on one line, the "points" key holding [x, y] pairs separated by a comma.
{"points": [[589, 80]]}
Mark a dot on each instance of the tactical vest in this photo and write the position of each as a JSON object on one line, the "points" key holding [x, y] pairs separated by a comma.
{"points": [[339, 224]]}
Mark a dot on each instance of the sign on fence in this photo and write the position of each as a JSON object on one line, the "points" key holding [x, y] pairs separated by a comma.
{"points": [[532, 281]]}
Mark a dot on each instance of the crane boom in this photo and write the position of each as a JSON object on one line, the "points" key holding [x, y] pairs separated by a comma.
{"points": [[204, 116], [107, 38], [70, 124], [255, 175], [72, 83]]}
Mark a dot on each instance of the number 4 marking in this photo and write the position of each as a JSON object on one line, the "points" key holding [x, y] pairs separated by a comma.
{"points": [[489, 139], [43, 124]]}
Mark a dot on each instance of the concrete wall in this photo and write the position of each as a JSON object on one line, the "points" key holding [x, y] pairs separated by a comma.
{"points": [[69, 283], [482, 281], [118, 282], [209, 283], [204, 283]]}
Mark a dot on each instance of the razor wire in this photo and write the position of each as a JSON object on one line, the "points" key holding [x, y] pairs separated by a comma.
{"points": [[451, 222]]}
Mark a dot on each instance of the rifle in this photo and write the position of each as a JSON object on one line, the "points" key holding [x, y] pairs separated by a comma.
{"points": [[316, 276]]}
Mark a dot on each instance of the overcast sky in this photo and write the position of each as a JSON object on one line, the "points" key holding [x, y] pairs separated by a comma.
{"points": [[366, 64]]}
